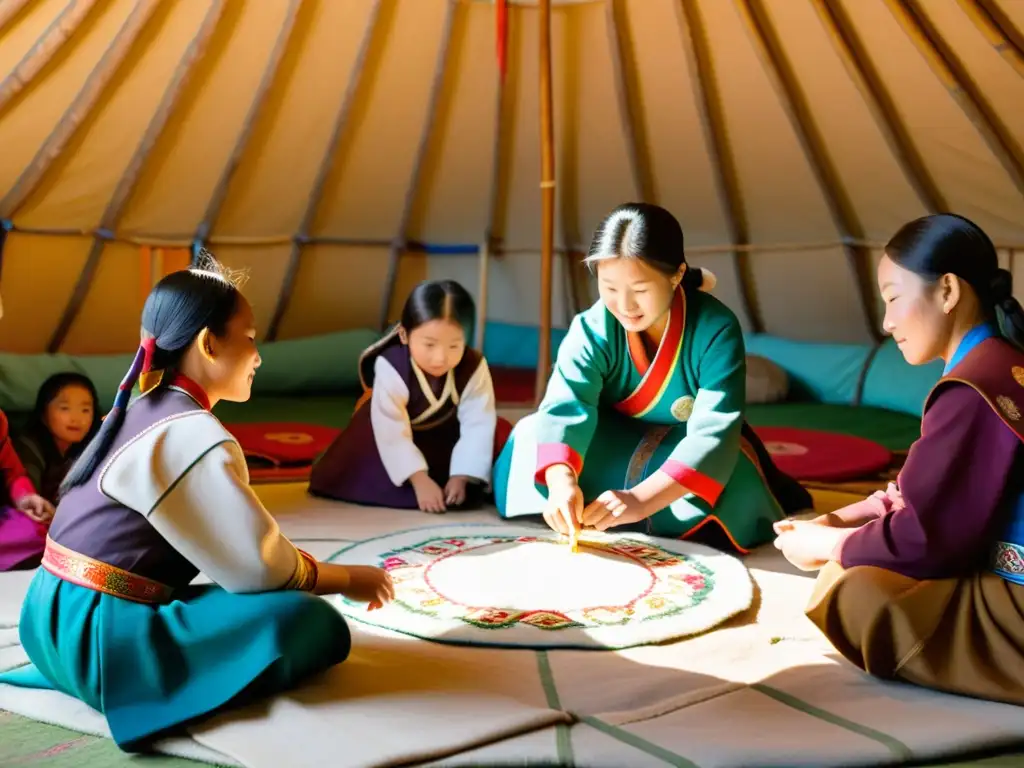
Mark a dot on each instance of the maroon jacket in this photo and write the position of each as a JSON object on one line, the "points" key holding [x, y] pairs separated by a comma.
{"points": [[963, 479]]}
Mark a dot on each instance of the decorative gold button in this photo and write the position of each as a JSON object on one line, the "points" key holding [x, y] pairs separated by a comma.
{"points": [[682, 408], [1008, 407]]}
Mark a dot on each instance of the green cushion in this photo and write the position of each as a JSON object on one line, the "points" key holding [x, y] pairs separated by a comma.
{"points": [[325, 410], [318, 364], [895, 431], [315, 365], [22, 375], [891, 382]]}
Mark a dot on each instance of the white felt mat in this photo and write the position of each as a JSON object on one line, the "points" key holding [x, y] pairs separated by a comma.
{"points": [[516, 586], [763, 689]]}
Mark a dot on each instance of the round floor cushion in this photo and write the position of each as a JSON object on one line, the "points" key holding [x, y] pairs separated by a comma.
{"points": [[516, 586], [283, 443], [807, 454]]}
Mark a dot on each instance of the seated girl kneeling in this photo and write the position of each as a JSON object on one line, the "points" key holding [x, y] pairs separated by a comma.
{"points": [[425, 433]]}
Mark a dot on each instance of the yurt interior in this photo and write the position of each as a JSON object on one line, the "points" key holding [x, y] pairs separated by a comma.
{"points": [[330, 156]]}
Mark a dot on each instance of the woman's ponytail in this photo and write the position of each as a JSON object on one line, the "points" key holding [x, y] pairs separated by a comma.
{"points": [[698, 279], [1008, 311], [180, 306], [98, 448]]}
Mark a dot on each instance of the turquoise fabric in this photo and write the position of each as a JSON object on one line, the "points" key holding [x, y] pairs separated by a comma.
{"points": [[825, 373], [149, 669], [516, 346], [892, 383]]}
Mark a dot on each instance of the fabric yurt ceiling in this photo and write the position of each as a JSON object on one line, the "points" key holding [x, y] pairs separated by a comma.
{"points": [[342, 150]]}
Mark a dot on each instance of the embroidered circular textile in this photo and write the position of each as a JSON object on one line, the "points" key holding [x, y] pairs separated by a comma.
{"points": [[806, 454], [500, 585]]}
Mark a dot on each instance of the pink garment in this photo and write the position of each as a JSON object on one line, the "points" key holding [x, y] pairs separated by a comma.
{"points": [[22, 539]]}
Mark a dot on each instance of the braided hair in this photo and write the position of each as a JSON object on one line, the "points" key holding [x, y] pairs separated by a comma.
{"points": [[179, 307]]}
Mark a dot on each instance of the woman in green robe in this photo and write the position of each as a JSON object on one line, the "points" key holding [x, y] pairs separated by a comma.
{"points": [[642, 424]]}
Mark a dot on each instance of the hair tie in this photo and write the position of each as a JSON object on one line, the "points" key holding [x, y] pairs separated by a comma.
{"points": [[124, 389], [149, 348], [148, 378]]}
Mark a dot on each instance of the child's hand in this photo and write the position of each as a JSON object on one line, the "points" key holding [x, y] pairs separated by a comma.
{"points": [[36, 508], [455, 490], [367, 584], [429, 495]]}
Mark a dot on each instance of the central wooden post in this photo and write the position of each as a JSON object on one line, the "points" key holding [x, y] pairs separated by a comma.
{"points": [[547, 191]]}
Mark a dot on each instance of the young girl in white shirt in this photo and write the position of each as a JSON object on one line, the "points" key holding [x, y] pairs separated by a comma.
{"points": [[424, 433]]}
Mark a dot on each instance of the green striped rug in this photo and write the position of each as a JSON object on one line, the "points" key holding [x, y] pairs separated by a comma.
{"points": [[25, 742]]}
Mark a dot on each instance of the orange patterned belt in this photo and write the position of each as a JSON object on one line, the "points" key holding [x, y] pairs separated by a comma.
{"points": [[82, 570]]}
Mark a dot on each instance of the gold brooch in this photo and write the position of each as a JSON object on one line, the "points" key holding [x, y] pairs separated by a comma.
{"points": [[1018, 374], [682, 408], [1008, 407]]}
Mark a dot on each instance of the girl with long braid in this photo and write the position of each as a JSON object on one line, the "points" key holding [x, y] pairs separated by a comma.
{"points": [[161, 494]]}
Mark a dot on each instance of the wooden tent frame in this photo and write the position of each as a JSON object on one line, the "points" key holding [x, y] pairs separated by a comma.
{"points": [[911, 15]]}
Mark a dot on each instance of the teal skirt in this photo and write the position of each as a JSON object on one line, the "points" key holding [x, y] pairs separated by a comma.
{"points": [[151, 669], [623, 453]]}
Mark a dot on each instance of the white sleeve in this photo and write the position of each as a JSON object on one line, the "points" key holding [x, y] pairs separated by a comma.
{"points": [[188, 477], [392, 431], [473, 455]]}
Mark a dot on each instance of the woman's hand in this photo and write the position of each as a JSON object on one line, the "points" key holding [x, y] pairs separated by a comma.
{"points": [[36, 508], [809, 545], [613, 508], [782, 526], [564, 511]]}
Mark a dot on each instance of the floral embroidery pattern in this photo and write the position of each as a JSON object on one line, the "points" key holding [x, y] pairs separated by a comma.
{"points": [[679, 583], [1008, 407]]}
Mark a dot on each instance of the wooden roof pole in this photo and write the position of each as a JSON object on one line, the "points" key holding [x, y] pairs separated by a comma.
{"points": [[547, 197]]}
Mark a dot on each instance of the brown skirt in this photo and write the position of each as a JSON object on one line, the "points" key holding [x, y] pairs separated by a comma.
{"points": [[963, 636]]}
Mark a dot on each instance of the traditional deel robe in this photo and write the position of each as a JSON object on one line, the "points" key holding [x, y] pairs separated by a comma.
{"points": [[408, 421], [930, 587], [616, 417], [112, 617], [21, 538]]}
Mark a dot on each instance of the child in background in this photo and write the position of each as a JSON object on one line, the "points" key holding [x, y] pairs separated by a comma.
{"points": [[24, 514], [65, 418], [423, 434]]}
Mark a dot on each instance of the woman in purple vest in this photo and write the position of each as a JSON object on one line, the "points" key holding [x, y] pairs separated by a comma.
{"points": [[161, 494], [924, 582]]}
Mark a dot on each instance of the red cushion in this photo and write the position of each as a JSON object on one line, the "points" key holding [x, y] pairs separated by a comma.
{"points": [[283, 443], [806, 454]]}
